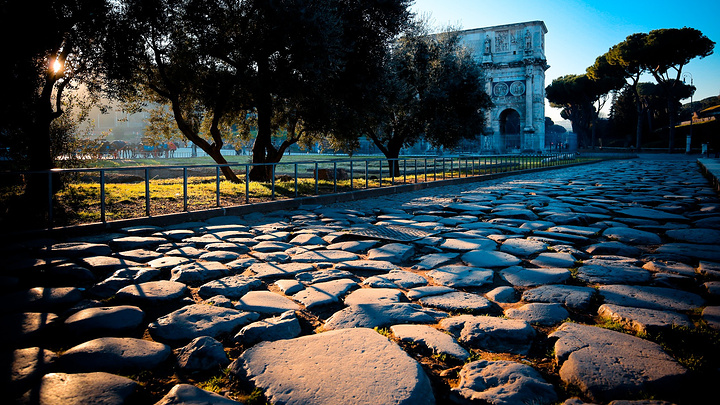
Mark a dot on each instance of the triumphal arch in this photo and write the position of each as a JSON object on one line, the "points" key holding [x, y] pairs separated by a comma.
{"points": [[513, 58]]}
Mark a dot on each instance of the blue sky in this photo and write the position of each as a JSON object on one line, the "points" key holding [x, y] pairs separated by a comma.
{"points": [[580, 31]]}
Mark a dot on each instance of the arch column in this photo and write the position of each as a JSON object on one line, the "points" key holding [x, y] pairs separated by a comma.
{"points": [[528, 100]]}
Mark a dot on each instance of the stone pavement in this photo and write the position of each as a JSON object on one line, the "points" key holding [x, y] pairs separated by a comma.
{"points": [[544, 288]]}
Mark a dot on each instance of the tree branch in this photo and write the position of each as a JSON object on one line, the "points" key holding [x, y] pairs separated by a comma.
{"points": [[370, 134], [58, 100]]}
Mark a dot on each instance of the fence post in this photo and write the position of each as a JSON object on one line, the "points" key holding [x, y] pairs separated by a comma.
{"points": [[296, 180], [247, 184], [381, 172], [102, 195], [147, 192], [404, 171], [272, 187], [316, 179], [391, 169], [334, 176], [415, 166], [217, 185], [185, 199], [352, 175], [366, 173]]}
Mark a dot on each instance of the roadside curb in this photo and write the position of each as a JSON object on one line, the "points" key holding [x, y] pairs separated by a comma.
{"points": [[710, 168]]}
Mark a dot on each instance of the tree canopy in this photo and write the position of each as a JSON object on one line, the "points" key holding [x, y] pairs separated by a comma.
{"points": [[574, 95], [51, 48], [275, 66], [668, 51], [55, 47], [662, 53], [431, 89]]}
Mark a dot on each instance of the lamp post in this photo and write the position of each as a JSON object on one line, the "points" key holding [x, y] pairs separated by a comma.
{"points": [[689, 136]]}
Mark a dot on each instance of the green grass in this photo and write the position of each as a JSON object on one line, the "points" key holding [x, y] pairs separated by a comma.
{"points": [[214, 384], [607, 323], [697, 348], [442, 357], [474, 356], [384, 331], [257, 397]]}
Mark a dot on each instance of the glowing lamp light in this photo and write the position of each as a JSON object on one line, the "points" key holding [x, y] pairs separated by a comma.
{"points": [[57, 66]]}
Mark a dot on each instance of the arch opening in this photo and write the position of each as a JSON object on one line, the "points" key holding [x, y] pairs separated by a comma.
{"points": [[510, 129]]}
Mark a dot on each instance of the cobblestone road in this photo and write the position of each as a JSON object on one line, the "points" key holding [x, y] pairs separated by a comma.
{"points": [[590, 284]]}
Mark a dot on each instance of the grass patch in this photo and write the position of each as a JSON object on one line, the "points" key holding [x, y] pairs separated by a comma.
{"points": [[214, 384], [384, 331], [607, 323], [697, 348], [442, 357], [257, 397], [574, 271], [474, 356], [217, 382]]}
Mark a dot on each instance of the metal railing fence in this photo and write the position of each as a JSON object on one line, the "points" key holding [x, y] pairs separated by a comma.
{"points": [[286, 180]]}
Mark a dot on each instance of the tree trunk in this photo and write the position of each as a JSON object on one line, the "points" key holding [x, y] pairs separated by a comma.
{"points": [[638, 127], [263, 149], [213, 150], [393, 162], [39, 188], [217, 156], [391, 150], [593, 126], [672, 111]]}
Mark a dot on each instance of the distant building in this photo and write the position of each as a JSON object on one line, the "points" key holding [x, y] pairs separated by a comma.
{"points": [[116, 124], [704, 127], [513, 58]]}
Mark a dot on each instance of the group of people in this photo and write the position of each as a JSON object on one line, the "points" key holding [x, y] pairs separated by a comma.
{"points": [[559, 146], [123, 150]]}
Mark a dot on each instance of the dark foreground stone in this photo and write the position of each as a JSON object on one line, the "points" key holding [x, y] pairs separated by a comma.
{"points": [[605, 364]]}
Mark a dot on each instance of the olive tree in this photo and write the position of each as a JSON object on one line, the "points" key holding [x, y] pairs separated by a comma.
{"points": [[52, 48], [432, 89], [261, 66]]}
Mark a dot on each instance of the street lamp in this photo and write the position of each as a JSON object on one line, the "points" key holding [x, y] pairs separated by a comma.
{"points": [[689, 137]]}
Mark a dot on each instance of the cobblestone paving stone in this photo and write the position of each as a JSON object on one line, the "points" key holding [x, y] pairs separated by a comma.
{"points": [[500, 299]]}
